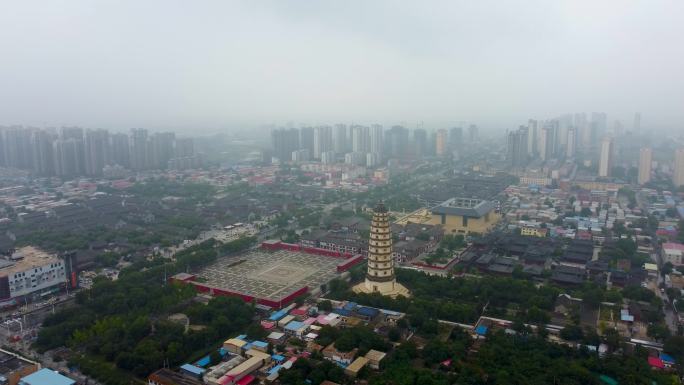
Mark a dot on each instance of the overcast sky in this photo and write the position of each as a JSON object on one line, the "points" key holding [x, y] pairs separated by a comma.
{"points": [[207, 65]]}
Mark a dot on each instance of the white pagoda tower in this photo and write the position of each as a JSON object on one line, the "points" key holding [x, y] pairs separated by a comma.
{"points": [[380, 277]]}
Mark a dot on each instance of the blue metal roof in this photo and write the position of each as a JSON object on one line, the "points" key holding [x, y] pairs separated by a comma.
{"points": [[260, 344], [274, 369], [277, 315], [367, 311], [47, 377], [390, 312], [204, 361], [294, 325], [350, 306], [194, 369], [278, 357], [667, 358], [342, 312]]}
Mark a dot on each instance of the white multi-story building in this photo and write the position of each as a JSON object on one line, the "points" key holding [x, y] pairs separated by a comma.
{"points": [[30, 271]]}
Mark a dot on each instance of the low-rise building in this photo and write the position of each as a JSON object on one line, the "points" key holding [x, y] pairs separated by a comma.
{"points": [[531, 231], [375, 358], [30, 271], [344, 358], [13, 367], [47, 377], [355, 367], [673, 253], [169, 377]]}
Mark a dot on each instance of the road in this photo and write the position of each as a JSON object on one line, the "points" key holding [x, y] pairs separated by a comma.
{"points": [[671, 318]]}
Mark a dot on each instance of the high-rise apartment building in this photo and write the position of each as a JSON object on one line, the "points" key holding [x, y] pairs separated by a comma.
{"points": [[645, 162], [68, 157], [43, 158], [162, 149], [97, 154], [571, 143], [306, 139], [121, 152], [340, 139], [283, 142], [606, 157], [441, 143], [75, 152], [420, 142], [397, 142], [517, 147], [678, 176], [360, 138], [377, 140], [322, 140], [532, 141], [139, 149]]}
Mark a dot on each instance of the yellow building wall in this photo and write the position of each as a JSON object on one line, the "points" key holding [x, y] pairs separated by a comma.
{"points": [[453, 224], [531, 232]]}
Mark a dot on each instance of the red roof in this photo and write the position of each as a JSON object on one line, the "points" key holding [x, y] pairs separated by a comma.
{"points": [[656, 362], [296, 312], [246, 380]]}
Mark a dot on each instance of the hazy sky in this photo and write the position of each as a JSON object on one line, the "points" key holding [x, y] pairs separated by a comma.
{"points": [[211, 64]]}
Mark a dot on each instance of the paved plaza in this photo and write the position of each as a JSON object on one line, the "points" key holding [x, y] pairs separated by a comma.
{"points": [[270, 274]]}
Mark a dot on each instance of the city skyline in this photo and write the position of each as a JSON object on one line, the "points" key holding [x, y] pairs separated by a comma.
{"points": [[224, 70]]}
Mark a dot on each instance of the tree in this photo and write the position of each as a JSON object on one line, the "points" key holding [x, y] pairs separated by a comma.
{"points": [[592, 296], [394, 334], [585, 212], [659, 331], [572, 333], [612, 338], [674, 345], [215, 357], [325, 305], [256, 332]]}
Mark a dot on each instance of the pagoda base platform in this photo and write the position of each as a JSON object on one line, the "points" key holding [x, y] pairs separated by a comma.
{"points": [[394, 290]]}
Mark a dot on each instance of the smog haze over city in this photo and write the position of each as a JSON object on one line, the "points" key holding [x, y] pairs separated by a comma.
{"points": [[228, 65], [341, 192]]}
